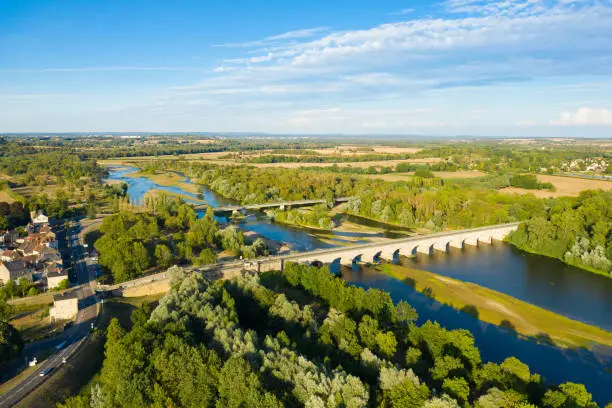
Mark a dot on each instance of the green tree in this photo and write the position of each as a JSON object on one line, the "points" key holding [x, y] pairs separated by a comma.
{"points": [[457, 387], [240, 387], [11, 343], [206, 257], [163, 256]]}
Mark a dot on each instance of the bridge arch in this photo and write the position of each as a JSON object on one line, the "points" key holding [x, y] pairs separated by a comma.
{"points": [[425, 248], [317, 264]]}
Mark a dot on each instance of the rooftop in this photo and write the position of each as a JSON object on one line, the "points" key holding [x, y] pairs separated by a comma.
{"points": [[65, 296]]}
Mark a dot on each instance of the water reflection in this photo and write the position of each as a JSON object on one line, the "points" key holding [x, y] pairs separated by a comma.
{"points": [[554, 364], [139, 186], [539, 280]]}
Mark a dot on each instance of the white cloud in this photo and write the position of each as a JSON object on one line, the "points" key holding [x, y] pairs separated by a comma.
{"points": [[403, 12], [289, 35], [305, 33], [98, 69], [509, 56], [586, 117]]}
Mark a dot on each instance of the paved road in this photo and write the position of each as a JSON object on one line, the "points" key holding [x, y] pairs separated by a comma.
{"points": [[71, 338]]}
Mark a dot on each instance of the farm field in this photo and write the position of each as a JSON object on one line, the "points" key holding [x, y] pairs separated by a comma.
{"points": [[365, 164], [350, 150], [206, 158], [441, 174], [565, 186], [29, 191]]}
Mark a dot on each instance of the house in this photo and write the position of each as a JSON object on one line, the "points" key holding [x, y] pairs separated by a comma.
{"points": [[55, 276], [65, 306], [9, 255], [30, 247], [14, 270], [9, 238], [39, 218], [50, 255]]}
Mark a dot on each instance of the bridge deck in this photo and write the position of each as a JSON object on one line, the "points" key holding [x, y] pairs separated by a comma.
{"points": [[231, 208], [399, 241]]}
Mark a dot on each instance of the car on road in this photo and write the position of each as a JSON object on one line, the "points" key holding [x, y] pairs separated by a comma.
{"points": [[45, 372]]}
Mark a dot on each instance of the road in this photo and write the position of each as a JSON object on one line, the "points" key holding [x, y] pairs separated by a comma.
{"points": [[71, 338]]}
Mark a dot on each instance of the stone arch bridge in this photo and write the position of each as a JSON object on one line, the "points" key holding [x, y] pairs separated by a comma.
{"points": [[387, 250], [392, 249]]}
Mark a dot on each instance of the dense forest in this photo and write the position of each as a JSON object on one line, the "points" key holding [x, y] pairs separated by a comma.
{"points": [[491, 157], [302, 338], [166, 231], [29, 165], [574, 230], [420, 202]]}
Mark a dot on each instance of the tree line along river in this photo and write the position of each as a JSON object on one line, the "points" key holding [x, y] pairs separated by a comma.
{"points": [[538, 280]]}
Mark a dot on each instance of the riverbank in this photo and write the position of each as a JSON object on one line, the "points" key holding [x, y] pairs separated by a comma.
{"points": [[168, 179], [155, 192], [579, 266], [500, 309]]}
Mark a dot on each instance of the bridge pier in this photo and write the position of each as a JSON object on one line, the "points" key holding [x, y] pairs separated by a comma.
{"points": [[440, 246], [472, 241]]}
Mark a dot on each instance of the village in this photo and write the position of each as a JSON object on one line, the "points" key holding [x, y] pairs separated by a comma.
{"points": [[30, 255]]}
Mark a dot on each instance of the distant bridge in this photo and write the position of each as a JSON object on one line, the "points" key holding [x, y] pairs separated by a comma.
{"points": [[281, 204], [388, 250]]}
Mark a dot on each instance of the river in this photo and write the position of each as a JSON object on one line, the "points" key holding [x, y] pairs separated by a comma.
{"points": [[545, 282]]}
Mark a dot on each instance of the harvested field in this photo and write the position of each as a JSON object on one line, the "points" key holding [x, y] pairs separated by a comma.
{"points": [[441, 174], [378, 163], [565, 186], [206, 158], [215, 157], [353, 149]]}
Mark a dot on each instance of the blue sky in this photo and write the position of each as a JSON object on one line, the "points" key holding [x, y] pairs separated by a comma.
{"points": [[454, 67]]}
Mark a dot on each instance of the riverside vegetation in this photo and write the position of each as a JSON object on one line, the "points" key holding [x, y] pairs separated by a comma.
{"points": [[574, 230], [302, 337], [165, 231]]}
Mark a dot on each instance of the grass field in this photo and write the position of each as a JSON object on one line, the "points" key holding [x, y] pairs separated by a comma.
{"points": [[565, 186], [33, 322], [500, 309], [29, 191]]}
